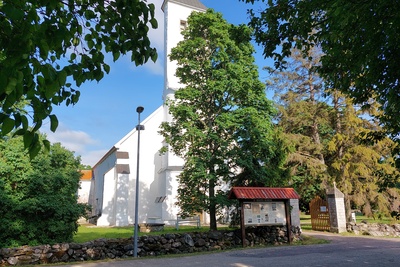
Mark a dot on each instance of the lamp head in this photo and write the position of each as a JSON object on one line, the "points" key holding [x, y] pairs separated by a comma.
{"points": [[139, 109]]}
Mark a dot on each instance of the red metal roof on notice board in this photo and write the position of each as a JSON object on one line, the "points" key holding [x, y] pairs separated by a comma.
{"points": [[263, 193]]}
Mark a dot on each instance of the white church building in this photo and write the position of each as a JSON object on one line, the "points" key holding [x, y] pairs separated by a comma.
{"points": [[112, 190], [112, 193]]}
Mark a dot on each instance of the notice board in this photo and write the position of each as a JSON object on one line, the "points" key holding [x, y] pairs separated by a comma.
{"points": [[264, 213]]}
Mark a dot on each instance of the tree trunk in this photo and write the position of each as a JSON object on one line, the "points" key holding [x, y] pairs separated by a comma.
{"points": [[314, 127], [213, 213], [339, 152]]}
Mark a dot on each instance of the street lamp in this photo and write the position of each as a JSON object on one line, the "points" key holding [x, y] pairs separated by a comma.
{"points": [[139, 127]]}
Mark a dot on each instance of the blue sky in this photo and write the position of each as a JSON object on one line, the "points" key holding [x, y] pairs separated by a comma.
{"points": [[106, 111]]}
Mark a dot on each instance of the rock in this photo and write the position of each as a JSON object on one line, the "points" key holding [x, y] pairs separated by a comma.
{"points": [[200, 242], [129, 247], [78, 246], [230, 234], [215, 235], [169, 236], [188, 240], [12, 261], [176, 244]]}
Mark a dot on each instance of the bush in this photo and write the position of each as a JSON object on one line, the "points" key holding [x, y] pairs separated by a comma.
{"points": [[38, 198]]}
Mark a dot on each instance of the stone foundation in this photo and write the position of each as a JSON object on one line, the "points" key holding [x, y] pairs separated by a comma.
{"points": [[374, 229]]}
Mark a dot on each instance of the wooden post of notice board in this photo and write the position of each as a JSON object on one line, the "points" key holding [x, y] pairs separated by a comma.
{"points": [[288, 221], [243, 228]]}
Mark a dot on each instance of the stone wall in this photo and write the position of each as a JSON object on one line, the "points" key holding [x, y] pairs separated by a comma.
{"points": [[374, 229], [147, 246]]}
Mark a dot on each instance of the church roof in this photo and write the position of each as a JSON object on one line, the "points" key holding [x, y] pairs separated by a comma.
{"points": [[196, 4]]}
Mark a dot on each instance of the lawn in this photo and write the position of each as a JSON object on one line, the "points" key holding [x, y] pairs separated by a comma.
{"points": [[89, 232], [305, 220]]}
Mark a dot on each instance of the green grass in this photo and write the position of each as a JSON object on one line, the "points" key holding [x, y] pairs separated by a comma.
{"points": [[88, 232], [385, 220], [305, 220]]}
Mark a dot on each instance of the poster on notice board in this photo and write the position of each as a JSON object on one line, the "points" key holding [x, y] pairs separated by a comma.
{"points": [[264, 213]]}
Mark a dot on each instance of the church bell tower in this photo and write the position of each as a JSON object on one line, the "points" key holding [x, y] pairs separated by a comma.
{"points": [[176, 13]]}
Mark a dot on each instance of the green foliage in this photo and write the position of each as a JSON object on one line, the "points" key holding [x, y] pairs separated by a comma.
{"points": [[49, 48], [364, 172], [359, 40], [305, 120], [38, 199], [222, 124], [330, 140]]}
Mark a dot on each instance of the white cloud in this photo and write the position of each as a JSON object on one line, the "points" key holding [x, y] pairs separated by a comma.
{"points": [[76, 141], [157, 35], [157, 40], [156, 68], [70, 139]]}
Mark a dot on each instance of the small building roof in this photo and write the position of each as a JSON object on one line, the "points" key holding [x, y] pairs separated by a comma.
{"points": [[262, 193], [86, 175]]}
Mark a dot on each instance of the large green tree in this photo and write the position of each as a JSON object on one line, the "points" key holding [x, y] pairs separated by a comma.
{"points": [[359, 39], [305, 120], [330, 136], [48, 48], [222, 121], [363, 170], [38, 198]]}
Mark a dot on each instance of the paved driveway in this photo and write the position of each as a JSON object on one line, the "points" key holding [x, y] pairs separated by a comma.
{"points": [[342, 251]]}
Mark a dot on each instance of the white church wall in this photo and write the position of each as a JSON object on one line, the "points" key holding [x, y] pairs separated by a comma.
{"points": [[83, 191], [149, 164], [114, 193], [108, 204], [97, 191], [122, 206], [170, 209]]}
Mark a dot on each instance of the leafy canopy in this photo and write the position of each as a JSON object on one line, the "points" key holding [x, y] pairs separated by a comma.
{"points": [[49, 48], [222, 121], [359, 39]]}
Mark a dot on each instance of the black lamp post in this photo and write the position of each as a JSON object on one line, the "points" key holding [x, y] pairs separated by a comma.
{"points": [[139, 127]]}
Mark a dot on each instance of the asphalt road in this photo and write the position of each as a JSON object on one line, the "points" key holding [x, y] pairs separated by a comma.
{"points": [[341, 251]]}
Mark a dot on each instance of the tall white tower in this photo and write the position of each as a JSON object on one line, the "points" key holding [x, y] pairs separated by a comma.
{"points": [[176, 13]]}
